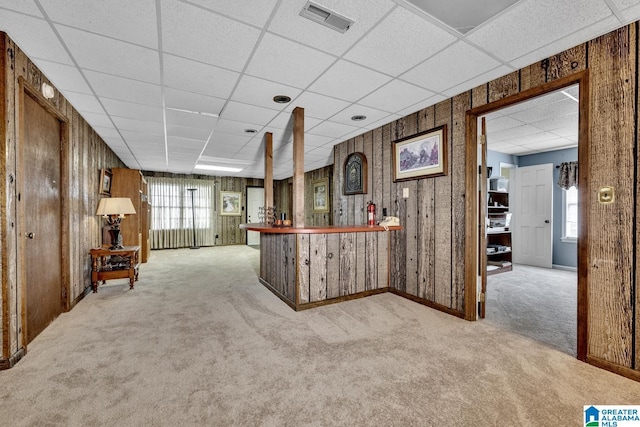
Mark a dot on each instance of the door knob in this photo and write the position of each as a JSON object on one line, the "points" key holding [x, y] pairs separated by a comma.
{"points": [[30, 235]]}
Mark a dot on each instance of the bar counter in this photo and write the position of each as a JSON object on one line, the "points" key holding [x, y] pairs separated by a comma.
{"points": [[311, 266]]}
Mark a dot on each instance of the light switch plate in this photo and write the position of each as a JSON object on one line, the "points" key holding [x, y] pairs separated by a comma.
{"points": [[405, 193]]}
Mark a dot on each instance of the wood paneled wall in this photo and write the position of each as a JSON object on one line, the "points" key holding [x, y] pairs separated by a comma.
{"points": [[228, 227], [427, 260], [282, 197], [86, 155]]}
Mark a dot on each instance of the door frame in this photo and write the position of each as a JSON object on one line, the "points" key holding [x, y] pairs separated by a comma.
{"points": [[26, 89], [471, 203]]}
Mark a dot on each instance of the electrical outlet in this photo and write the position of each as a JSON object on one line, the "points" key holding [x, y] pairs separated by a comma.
{"points": [[405, 193]]}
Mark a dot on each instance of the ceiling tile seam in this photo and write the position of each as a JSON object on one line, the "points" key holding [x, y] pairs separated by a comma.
{"points": [[242, 73], [22, 13], [103, 35], [224, 15], [614, 9], [80, 70], [162, 91], [431, 19]]}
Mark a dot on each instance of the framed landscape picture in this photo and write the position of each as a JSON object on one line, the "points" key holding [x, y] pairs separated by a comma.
{"points": [[321, 195], [420, 156], [230, 203]]}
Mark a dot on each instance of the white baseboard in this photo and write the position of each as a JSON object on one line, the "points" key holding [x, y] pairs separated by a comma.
{"points": [[564, 267]]}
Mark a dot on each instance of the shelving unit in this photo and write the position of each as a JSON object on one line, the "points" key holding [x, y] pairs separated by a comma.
{"points": [[498, 234]]}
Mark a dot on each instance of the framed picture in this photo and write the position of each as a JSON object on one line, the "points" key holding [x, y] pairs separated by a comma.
{"points": [[105, 181], [420, 156], [321, 195], [355, 174], [230, 203]]}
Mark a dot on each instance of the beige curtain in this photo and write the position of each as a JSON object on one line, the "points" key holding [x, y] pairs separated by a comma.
{"points": [[171, 214]]}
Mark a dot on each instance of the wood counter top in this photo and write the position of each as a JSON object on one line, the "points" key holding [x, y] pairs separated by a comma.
{"points": [[316, 230]]}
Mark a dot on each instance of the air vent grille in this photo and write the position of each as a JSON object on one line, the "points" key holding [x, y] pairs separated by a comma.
{"points": [[326, 17]]}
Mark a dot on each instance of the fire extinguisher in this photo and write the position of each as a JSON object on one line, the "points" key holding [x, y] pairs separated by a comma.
{"points": [[371, 213]]}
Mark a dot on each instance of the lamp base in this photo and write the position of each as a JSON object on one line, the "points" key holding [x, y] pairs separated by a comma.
{"points": [[115, 239]]}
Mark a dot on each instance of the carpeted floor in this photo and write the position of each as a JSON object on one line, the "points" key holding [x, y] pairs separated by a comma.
{"points": [[538, 303], [200, 342]]}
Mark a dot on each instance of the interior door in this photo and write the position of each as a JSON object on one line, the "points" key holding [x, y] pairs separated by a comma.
{"points": [[41, 229], [255, 200], [533, 232]]}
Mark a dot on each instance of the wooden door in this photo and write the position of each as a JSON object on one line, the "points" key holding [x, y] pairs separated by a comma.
{"points": [[532, 234], [41, 229]]}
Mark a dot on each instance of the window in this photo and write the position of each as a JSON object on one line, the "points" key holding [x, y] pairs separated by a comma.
{"points": [[570, 223]]}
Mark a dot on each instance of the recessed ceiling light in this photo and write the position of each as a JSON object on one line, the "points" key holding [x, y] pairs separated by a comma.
{"points": [[218, 168], [358, 118], [281, 99], [251, 131]]}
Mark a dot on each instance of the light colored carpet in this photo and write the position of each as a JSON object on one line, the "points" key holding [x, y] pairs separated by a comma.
{"points": [[200, 342], [539, 303]]}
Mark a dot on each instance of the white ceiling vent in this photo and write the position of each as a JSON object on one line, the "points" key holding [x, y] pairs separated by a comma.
{"points": [[326, 17]]}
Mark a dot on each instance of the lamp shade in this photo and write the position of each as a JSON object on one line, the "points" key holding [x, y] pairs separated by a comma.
{"points": [[115, 206]]}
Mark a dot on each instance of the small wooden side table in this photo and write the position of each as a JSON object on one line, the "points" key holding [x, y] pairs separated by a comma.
{"points": [[107, 264]]}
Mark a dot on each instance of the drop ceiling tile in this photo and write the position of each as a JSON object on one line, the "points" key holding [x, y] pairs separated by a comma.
{"points": [[284, 122], [216, 150], [190, 120], [332, 129], [132, 21], [500, 123], [248, 113], [555, 144], [458, 63], [395, 96], [547, 112], [473, 82], [95, 119], [366, 13], [106, 132], [513, 134], [316, 105], [414, 40], [631, 12], [84, 102], [229, 140], [192, 76], [35, 37], [546, 21], [23, 6], [386, 120], [421, 105], [232, 127], [190, 101], [185, 147], [114, 87], [132, 111], [186, 132], [604, 26], [259, 92], [99, 53], [210, 38], [372, 115], [316, 141], [153, 128], [257, 14], [570, 132], [348, 81], [142, 138], [64, 77], [287, 62]]}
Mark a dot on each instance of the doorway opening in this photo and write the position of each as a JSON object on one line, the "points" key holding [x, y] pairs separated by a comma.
{"points": [[532, 288], [476, 274], [254, 202]]}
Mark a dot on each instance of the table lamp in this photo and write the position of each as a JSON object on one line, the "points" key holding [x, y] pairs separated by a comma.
{"points": [[114, 209]]}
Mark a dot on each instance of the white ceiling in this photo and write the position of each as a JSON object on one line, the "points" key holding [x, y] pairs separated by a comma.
{"points": [[545, 123], [130, 67]]}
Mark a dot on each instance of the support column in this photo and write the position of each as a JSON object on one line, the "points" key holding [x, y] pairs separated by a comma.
{"points": [[268, 170], [298, 167]]}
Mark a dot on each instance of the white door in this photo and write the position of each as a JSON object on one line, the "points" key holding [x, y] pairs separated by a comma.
{"points": [[531, 224], [255, 199]]}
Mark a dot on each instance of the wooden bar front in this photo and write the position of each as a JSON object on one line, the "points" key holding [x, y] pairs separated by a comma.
{"points": [[312, 266]]}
